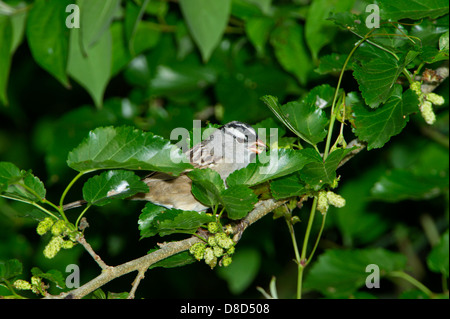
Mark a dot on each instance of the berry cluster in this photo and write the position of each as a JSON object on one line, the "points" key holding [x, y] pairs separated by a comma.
{"points": [[426, 102], [327, 198], [218, 245], [37, 285], [59, 229]]}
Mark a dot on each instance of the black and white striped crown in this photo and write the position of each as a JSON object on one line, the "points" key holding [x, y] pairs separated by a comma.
{"points": [[240, 131]]}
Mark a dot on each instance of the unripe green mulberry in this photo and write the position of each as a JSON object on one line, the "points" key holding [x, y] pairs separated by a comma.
{"points": [[230, 251], [198, 250], [59, 227], [53, 247], [416, 87], [44, 226], [214, 227], [428, 115], [218, 251], [212, 241], [36, 285], [67, 244], [226, 261], [335, 199], [434, 98], [223, 240], [210, 259], [322, 202], [22, 284], [36, 281]]}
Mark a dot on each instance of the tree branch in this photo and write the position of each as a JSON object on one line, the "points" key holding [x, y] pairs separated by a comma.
{"points": [[261, 209], [141, 264]]}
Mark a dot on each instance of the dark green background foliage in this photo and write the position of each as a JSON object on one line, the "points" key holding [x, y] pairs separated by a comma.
{"points": [[159, 64]]}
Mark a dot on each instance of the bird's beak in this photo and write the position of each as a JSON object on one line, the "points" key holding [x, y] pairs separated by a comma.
{"points": [[258, 147]]}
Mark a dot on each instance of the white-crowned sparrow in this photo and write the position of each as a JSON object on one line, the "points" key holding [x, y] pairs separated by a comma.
{"points": [[229, 148]]}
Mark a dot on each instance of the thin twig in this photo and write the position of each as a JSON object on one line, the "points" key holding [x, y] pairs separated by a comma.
{"points": [[136, 282], [91, 252]]}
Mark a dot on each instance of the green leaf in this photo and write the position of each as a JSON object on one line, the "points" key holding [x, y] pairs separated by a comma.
{"points": [[206, 21], [146, 37], [339, 273], [443, 43], [429, 31], [400, 184], [238, 201], [368, 52], [258, 30], [120, 51], [208, 188], [319, 172], [242, 271], [290, 50], [207, 185], [126, 148], [279, 163], [19, 21], [318, 30], [133, 17], [9, 269], [95, 19], [288, 186], [349, 21], [20, 184], [306, 119], [100, 189], [147, 219], [247, 9], [91, 67], [48, 36], [157, 8], [376, 127], [413, 9], [438, 258], [333, 63], [163, 221], [321, 96], [388, 36], [30, 188], [376, 79], [53, 275], [5, 55], [433, 55], [9, 174]]}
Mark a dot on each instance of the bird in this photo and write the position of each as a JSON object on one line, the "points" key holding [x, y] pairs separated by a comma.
{"points": [[228, 148]]}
